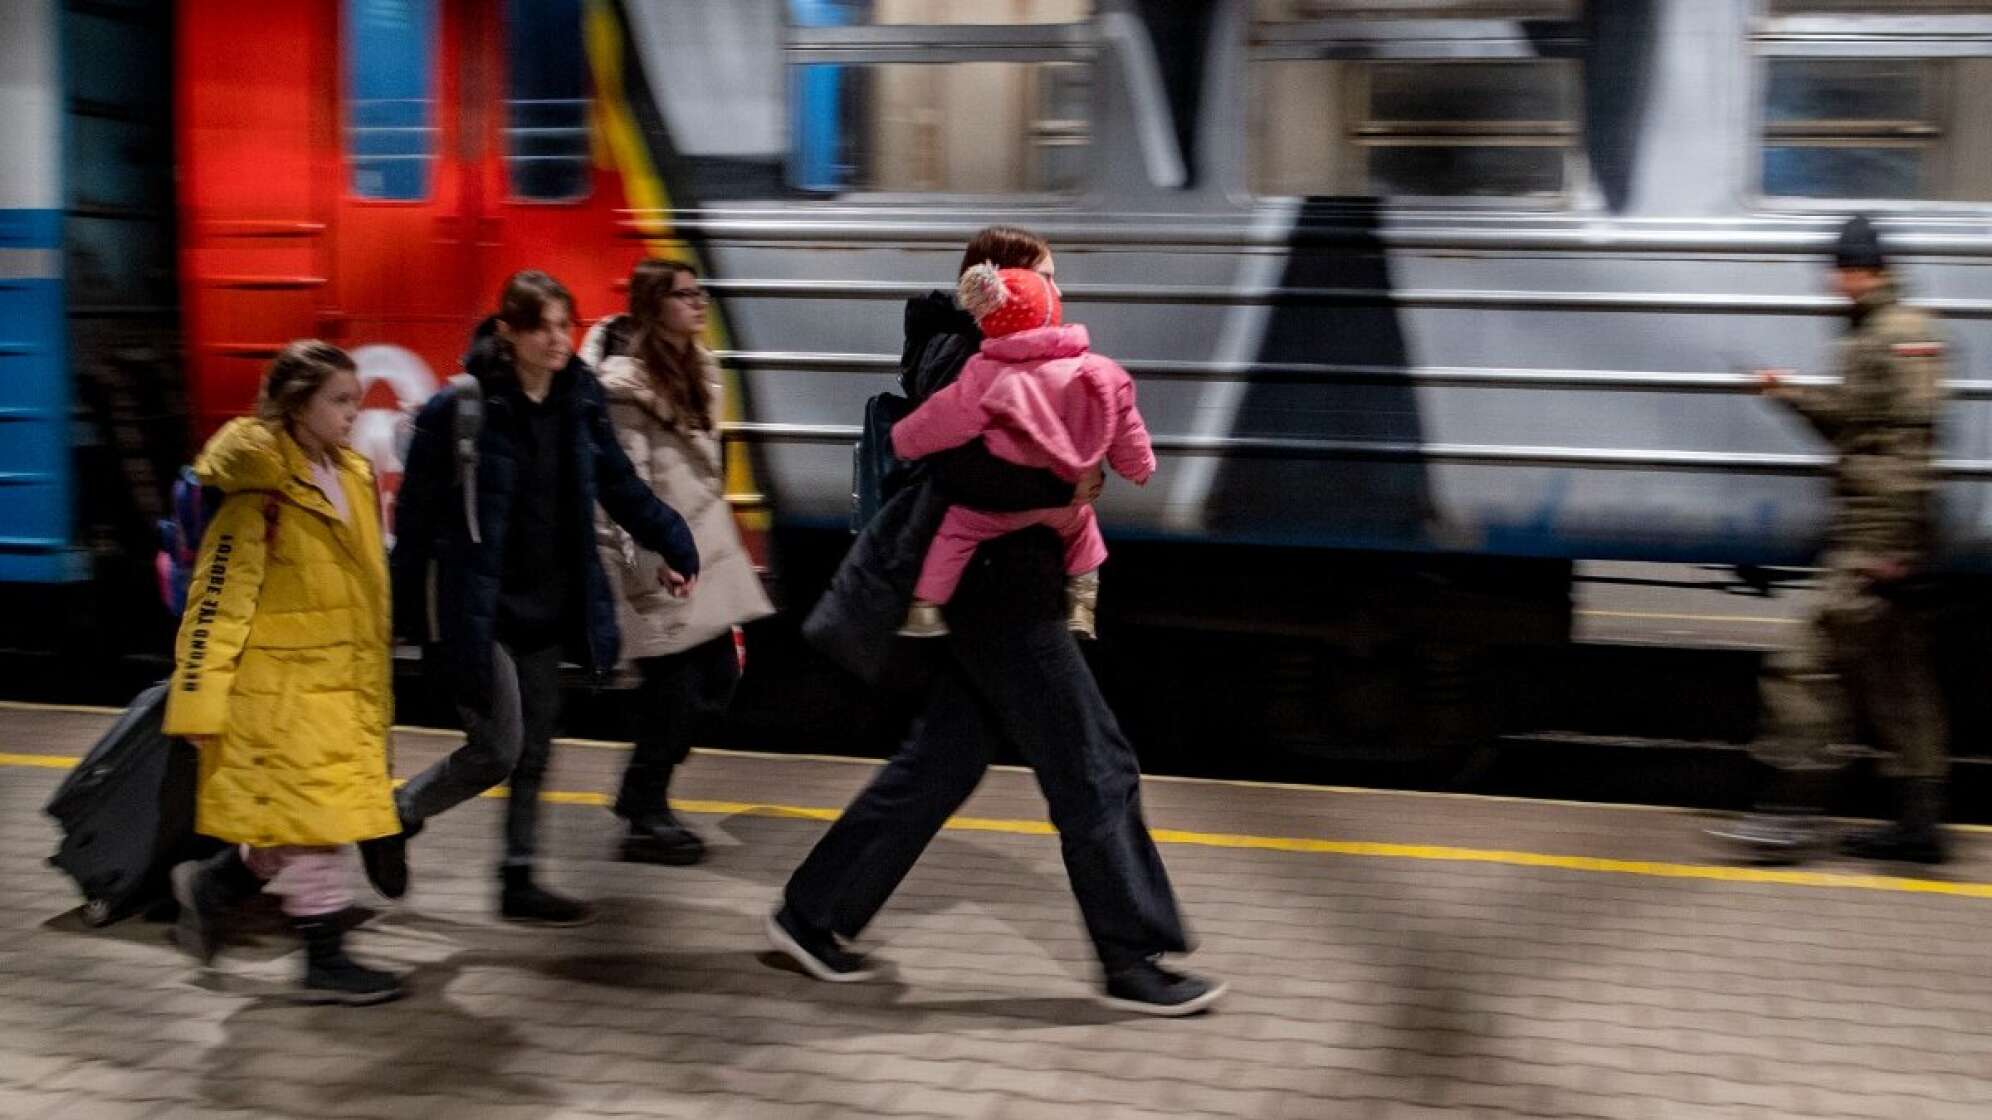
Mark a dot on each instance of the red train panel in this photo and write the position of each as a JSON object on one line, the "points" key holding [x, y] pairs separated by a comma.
{"points": [[276, 243]]}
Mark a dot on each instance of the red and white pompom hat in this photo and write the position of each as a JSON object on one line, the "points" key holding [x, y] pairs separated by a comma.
{"points": [[1005, 301]]}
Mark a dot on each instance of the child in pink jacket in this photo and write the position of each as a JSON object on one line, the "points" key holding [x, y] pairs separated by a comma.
{"points": [[1038, 398]]}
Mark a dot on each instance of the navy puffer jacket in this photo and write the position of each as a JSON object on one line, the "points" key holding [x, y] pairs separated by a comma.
{"points": [[446, 586]]}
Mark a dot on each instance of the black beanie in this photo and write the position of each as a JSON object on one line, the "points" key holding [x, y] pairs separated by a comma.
{"points": [[1859, 245]]}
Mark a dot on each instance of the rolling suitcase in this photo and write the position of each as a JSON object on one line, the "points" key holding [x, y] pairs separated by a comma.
{"points": [[127, 813]]}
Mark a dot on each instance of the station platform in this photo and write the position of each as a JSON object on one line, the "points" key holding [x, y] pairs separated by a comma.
{"points": [[1390, 955]]}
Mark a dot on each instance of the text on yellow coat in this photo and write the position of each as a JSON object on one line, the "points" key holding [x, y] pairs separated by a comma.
{"points": [[284, 658]]}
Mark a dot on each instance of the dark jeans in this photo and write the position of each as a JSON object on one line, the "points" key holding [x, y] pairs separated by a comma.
{"points": [[511, 737], [678, 691], [1014, 675]]}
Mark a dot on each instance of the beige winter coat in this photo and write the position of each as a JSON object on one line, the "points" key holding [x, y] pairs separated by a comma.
{"points": [[685, 471]]}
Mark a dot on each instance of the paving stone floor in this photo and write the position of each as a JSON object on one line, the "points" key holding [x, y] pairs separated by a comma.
{"points": [[1421, 978]]}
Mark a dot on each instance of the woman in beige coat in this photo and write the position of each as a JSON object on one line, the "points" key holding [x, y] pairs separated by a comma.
{"points": [[664, 400]]}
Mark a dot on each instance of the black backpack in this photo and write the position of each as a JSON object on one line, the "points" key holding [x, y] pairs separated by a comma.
{"points": [[876, 473], [127, 813]]}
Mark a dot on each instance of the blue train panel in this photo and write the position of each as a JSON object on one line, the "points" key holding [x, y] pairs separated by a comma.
{"points": [[37, 519], [35, 503]]}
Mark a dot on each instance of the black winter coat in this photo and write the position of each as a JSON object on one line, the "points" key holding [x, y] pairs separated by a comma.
{"points": [[446, 586], [856, 620]]}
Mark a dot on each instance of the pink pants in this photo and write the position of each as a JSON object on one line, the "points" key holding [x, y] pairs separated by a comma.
{"points": [[311, 881], [963, 529]]}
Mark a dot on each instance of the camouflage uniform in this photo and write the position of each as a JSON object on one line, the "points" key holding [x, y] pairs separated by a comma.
{"points": [[1865, 662]]}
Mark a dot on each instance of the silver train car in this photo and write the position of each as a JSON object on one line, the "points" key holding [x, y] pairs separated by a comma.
{"points": [[1478, 277]]}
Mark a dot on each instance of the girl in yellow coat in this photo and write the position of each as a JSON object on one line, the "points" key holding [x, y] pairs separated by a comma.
{"points": [[283, 670]]}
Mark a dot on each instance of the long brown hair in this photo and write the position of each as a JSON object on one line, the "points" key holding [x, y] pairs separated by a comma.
{"points": [[678, 373], [522, 305], [1004, 247], [299, 370]]}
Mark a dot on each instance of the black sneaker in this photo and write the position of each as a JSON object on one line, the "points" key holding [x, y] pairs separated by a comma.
{"points": [[522, 900], [662, 838], [817, 953], [1150, 989], [386, 861]]}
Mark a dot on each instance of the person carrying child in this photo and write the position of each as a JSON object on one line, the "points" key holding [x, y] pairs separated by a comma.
{"points": [[1039, 397], [283, 672]]}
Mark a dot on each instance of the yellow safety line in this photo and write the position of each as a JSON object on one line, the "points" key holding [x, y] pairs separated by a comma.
{"points": [[1440, 853], [59, 709], [1003, 768], [1657, 616], [46, 761]]}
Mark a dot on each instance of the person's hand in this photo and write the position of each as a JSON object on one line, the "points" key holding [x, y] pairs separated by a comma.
{"points": [[677, 586], [1087, 490], [1771, 383], [202, 740]]}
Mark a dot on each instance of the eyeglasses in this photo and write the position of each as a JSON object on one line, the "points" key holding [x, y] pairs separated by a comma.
{"points": [[696, 297]]}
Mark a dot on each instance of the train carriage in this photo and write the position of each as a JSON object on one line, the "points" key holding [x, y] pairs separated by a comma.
{"points": [[1475, 277]]}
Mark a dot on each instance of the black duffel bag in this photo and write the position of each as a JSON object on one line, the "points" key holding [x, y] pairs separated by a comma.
{"points": [[127, 813]]}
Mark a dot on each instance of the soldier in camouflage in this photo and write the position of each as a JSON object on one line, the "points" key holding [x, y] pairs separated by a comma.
{"points": [[1865, 660]]}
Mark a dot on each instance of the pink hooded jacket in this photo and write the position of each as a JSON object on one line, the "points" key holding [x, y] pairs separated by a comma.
{"points": [[1037, 398]]}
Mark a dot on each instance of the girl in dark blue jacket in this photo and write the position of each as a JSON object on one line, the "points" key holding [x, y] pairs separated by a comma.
{"points": [[500, 588]]}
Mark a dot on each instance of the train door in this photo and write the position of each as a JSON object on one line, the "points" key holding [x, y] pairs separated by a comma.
{"points": [[404, 288], [548, 196], [255, 157]]}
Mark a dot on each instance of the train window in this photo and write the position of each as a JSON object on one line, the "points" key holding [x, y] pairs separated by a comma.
{"points": [[547, 156], [1871, 7], [1434, 129], [962, 128], [1877, 129], [945, 96], [390, 97], [1440, 99], [1279, 11], [1859, 128], [889, 12]]}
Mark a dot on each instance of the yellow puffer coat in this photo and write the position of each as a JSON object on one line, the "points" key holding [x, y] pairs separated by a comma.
{"points": [[284, 658]]}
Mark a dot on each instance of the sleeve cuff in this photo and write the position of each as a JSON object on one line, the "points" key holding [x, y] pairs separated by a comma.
{"points": [[203, 712]]}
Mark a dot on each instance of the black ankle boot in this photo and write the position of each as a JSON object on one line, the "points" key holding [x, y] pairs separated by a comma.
{"points": [[522, 900], [1916, 836], [205, 890], [660, 837], [330, 976], [655, 834]]}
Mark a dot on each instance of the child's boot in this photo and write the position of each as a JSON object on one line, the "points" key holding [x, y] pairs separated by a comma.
{"points": [[923, 620], [330, 976], [1082, 602], [205, 890]]}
